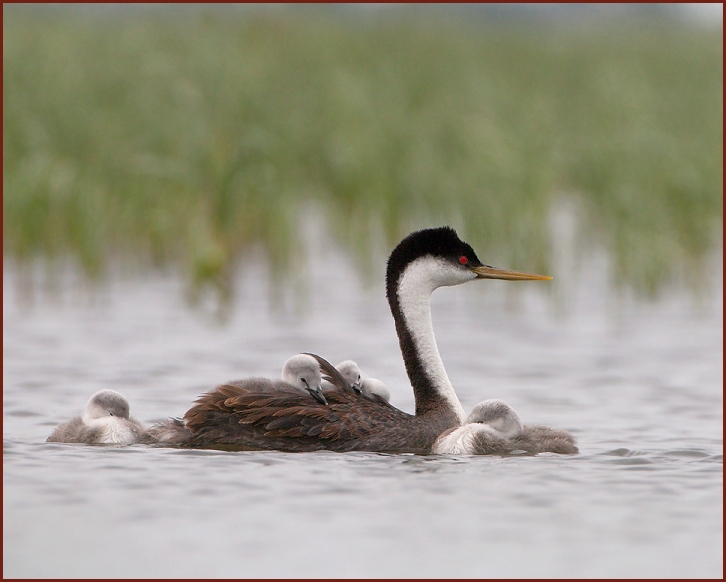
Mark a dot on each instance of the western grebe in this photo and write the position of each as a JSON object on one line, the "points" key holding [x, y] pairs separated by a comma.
{"points": [[497, 415], [369, 387], [303, 372], [374, 388], [493, 427], [105, 420], [238, 416]]}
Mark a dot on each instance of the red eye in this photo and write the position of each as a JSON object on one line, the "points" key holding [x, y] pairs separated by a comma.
{"points": [[463, 260]]}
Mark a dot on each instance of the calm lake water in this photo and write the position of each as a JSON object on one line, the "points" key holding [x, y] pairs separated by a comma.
{"points": [[639, 385]]}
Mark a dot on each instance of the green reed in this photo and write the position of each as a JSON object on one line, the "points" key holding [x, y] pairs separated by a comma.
{"points": [[186, 139]]}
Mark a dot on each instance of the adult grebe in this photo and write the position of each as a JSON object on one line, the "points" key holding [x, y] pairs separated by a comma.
{"points": [[369, 387], [105, 420], [236, 417], [493, 427]]}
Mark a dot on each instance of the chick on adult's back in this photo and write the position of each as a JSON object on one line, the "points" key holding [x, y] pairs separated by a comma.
{"points": [[369, 387]]}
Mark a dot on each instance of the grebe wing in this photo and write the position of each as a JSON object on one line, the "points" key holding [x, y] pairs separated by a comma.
{"points": [[332, 375]]}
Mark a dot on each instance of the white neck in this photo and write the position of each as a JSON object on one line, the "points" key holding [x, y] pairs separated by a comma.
{"points": [[419, 280]]}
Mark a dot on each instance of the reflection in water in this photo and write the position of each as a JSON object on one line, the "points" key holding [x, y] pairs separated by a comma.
{"points": [[642, 393]]}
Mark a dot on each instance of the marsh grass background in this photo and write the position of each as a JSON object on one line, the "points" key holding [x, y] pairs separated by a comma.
{"points": [[185, 138]]}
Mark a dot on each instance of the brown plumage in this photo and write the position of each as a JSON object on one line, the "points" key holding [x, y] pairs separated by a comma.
{"points": [[239, 416]]}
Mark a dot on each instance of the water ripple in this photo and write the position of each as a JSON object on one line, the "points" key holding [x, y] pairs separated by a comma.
{"points": [[646, 488]]}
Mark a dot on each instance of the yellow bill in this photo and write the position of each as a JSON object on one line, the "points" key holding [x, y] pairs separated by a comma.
{"points": [[487, 272]]}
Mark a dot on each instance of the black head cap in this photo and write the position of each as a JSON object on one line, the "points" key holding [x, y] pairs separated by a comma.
{"points": [[438, 242]]}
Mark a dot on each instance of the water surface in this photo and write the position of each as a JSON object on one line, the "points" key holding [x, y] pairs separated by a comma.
{"points": [[641, 389]]}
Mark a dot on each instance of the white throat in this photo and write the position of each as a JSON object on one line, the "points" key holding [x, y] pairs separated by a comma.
{"points": [[420, 279], [114, 430]]}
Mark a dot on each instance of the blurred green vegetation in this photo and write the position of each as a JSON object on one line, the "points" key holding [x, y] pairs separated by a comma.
{"points": [[163, 138]]}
